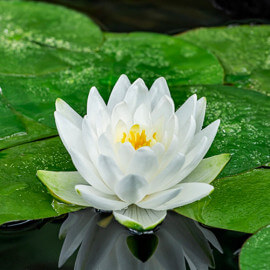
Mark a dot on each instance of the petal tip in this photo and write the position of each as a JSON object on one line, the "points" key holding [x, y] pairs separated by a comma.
{"points": [[128, 218], [123, 76], [59, 103], [39, 173]]}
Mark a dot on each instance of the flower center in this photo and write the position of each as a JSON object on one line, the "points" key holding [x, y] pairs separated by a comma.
{"points": [[138, 137]]}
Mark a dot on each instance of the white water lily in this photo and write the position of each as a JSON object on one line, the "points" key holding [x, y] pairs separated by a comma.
{"points": [[135, 156]]}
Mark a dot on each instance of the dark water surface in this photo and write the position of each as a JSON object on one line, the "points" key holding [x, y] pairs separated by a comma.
{"points": [[35, 245], [170, 16]]}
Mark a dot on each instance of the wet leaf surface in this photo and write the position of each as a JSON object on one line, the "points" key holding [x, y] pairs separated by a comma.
{"points": [[22, 195], [62, 53], [255, 253], [242, 50], [239, 203], [34, 97], [244, 130], [49, 25]]}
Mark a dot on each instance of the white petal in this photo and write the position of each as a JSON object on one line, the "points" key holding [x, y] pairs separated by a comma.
{"points": [[89, 172], [164, 109], [95, 103], [158, 90], [142, 116], [209, 132], [109, 171], [208, 169], [159, 149], [144, 163], [121, 112], [158, 126], [197, 151], [70, 134], [119, 91], [119, 129], [169, 152], [139, 219], [190, 192], [90, 140], [63, 108], [186, 135], [125, 155], [200, 113], [192, 160], [102, 122], [186, 110], [171, 128], [157, 199], [62, 185], [100, 200], [131, 188], [165, 176], [136, 95], [105, 145], [97, 113]]}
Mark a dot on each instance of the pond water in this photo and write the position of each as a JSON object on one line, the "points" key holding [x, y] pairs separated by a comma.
{"points": [[104, 244], [171, 16]]}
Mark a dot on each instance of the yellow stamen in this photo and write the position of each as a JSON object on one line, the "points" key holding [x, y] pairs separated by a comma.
{"points": [[138, 137]]}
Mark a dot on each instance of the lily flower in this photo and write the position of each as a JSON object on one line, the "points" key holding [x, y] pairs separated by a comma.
{"points": [[136, 156]]}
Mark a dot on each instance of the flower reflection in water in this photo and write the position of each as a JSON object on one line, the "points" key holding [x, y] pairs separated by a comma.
{"points": [[104, 244]]}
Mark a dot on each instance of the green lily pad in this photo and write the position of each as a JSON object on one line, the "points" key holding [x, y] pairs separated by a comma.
{"points": [[244, 130], [242, 50], [179, 61], [49, 25], [21, 128], [10, 123], [238, 203], [149, 56], [22, 195], [255, 253], [37, 39]]}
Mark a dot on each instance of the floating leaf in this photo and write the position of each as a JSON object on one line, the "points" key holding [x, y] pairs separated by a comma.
{"points": [[49, 25], [37, 39], [149, 56], [239, 203], [242, 50], [143, 55], [244, 130], [255, 253], [22, 195]]}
